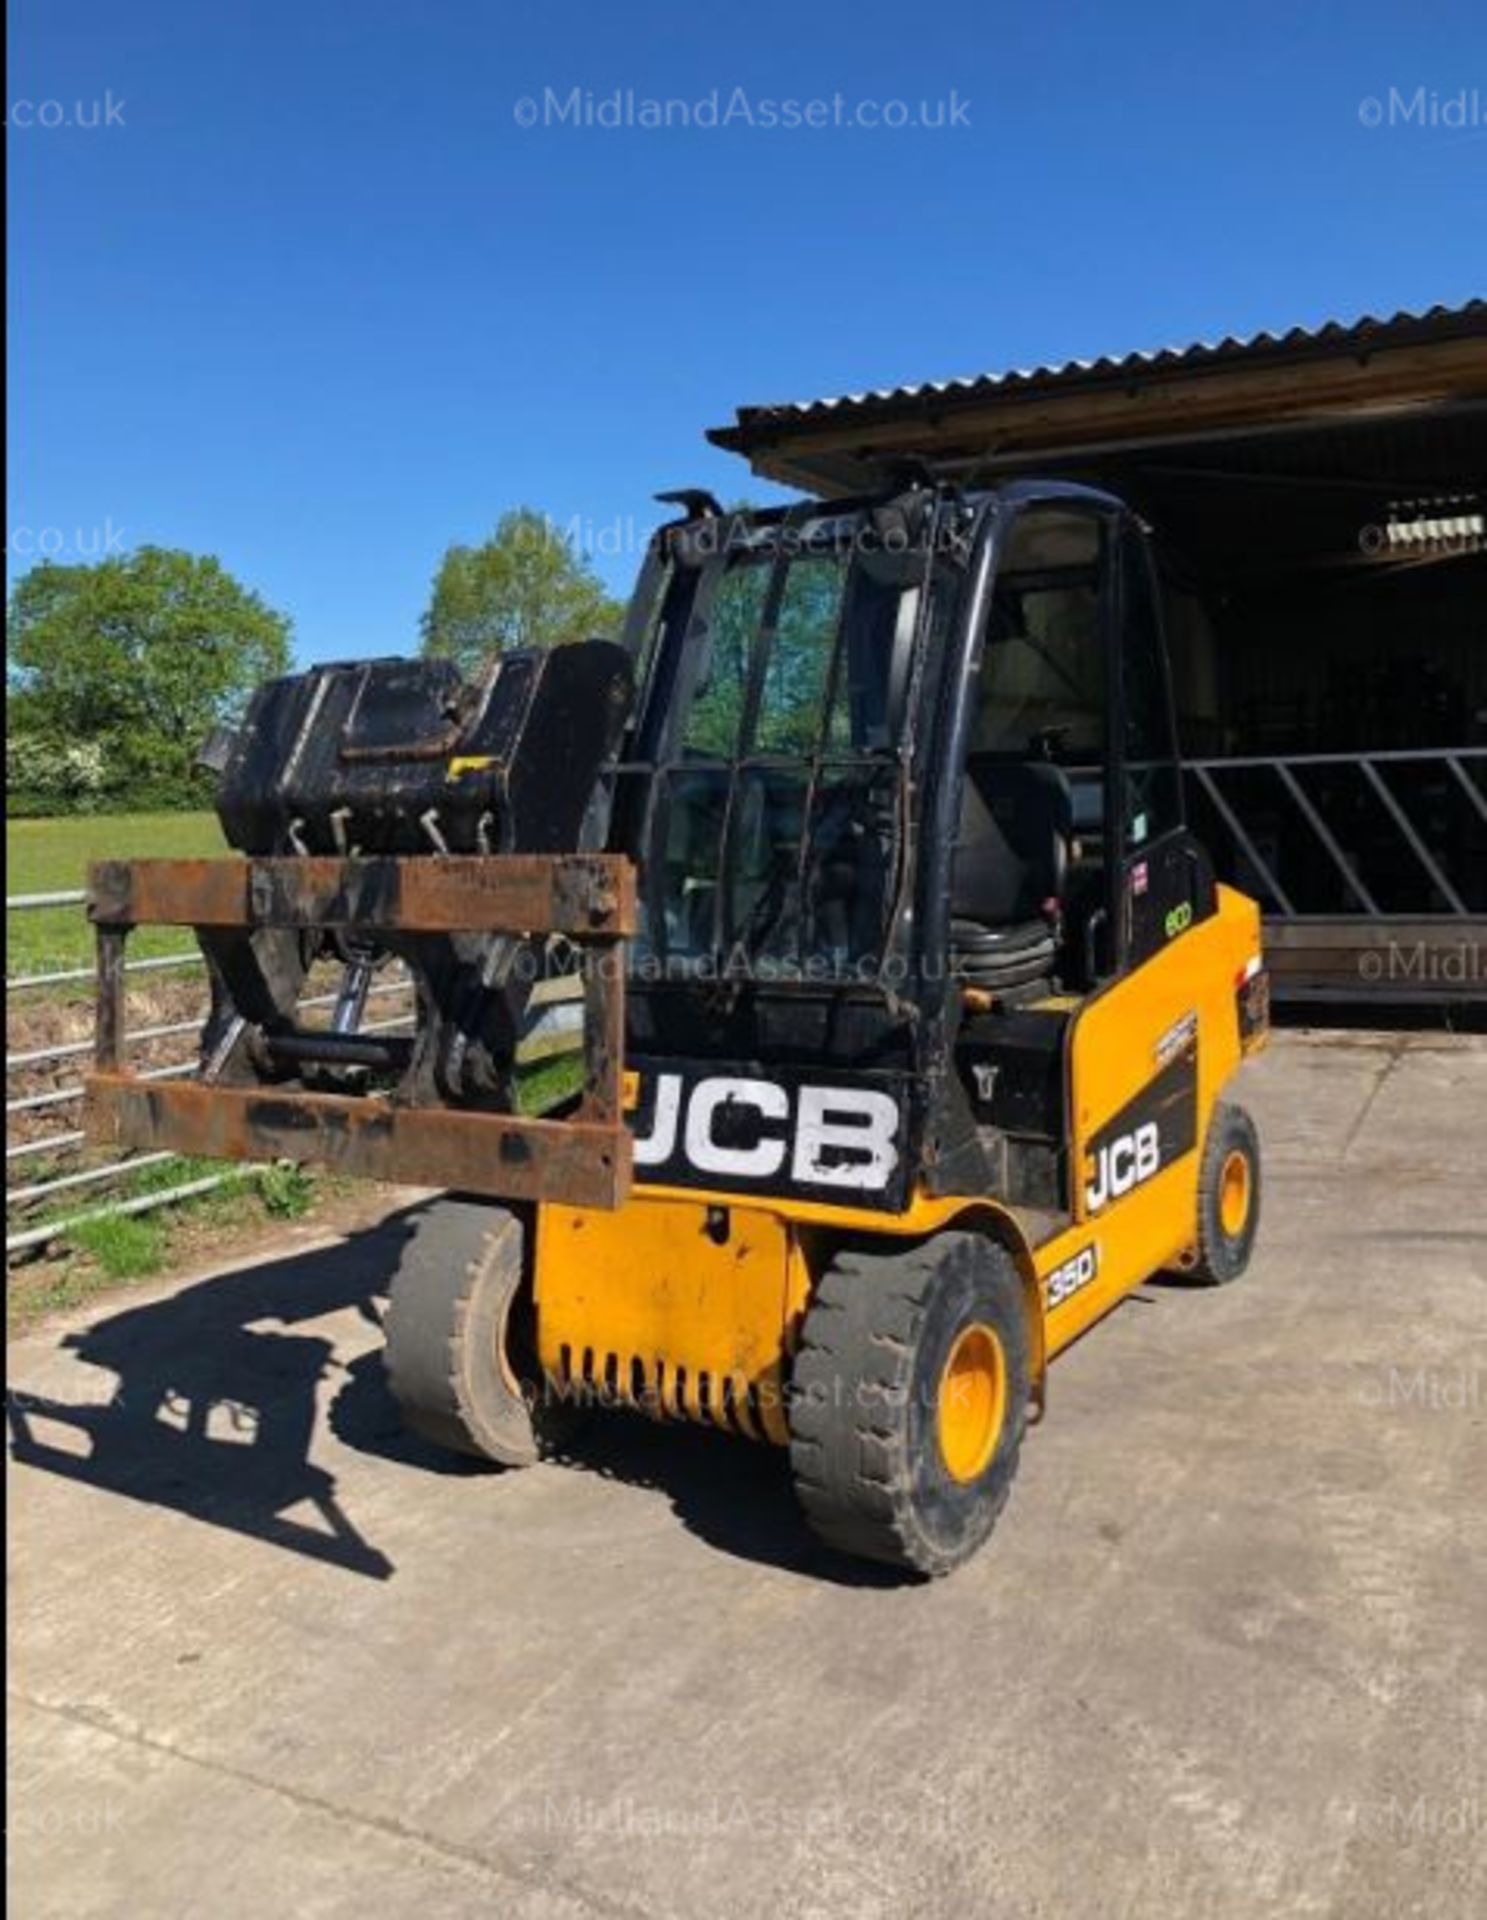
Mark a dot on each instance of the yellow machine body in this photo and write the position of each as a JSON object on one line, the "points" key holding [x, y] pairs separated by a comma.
{"points": [[687, 1304]]}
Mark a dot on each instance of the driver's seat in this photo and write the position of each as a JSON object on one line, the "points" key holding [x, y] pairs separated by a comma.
{"points": [[1011, 858]]}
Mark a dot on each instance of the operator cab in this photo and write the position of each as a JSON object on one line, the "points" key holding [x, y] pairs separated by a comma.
{"points": [[1031, 799], [1072, 861], [1070, 709], [903, 791]]}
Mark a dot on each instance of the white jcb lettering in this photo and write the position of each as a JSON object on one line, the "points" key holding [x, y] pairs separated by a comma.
{"points": [[845, 1137], [655, 1148], [734, 1128], [1124, 1164], [738, 1163]]}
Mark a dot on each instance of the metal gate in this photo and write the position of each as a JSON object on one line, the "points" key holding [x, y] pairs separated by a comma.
{"points": [[1371, 868]]}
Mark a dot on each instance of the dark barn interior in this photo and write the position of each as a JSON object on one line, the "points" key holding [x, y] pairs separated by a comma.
{"points": [[1318, 500]]}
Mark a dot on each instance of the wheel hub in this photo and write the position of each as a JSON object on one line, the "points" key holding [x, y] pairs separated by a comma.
{"points": [[1234, 1194], [972, 1401]]}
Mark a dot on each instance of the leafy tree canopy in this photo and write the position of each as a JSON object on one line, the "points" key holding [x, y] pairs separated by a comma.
{"points": [[140, 656], [524, 587]]}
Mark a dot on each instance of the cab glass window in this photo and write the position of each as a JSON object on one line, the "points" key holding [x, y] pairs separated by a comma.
{"points": [[1153, 790]]}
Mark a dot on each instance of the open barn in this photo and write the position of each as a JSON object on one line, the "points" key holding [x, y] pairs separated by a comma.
{"points": [[1318, 501]]}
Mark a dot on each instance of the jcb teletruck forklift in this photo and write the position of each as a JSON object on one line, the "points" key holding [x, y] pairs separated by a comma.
{"points": [[909, 999]]}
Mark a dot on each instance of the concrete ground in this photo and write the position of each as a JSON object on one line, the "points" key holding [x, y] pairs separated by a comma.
{"points": [[1227, 1654]]}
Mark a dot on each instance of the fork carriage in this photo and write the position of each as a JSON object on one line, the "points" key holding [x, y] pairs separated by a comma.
{"points": [[258, 1097]]}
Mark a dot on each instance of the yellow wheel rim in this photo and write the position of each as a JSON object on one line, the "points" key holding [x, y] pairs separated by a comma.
{"points": [[1234, 1194], [972, 1402]]}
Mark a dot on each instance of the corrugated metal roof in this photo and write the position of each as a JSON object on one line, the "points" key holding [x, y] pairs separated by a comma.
{"points": [[1369, 333]]}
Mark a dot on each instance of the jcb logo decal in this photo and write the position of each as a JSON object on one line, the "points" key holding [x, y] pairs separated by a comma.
{"points": [[727, 1128], [1147, 1135], [1124, 1164]]}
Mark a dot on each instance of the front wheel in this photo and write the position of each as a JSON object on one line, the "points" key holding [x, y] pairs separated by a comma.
{"points": [[908, 1400], [459, 1348], [1228, 1196]]}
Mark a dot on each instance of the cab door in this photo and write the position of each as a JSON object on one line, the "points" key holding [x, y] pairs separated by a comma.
{"points": [[1164, 882], [1151, 1045]]}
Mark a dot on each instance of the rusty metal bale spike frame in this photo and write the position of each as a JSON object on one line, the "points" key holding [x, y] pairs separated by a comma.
{"points": [[590, 898]]}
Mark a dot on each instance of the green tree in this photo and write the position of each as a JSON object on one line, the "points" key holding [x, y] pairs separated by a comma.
{"points": [[524, 587], [138, 656]]}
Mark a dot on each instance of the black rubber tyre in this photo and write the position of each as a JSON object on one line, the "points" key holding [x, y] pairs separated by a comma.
{"points": [[459, 1352], [1228, 1196], [867, 1395]]}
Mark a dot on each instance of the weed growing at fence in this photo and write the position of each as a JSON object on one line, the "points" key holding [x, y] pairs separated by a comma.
{"points": [[125, 1246], [122, 1248], [287, 1192]]}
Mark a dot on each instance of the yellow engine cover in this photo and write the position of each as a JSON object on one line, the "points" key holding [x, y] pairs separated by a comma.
{"points": [[674, 1307]]}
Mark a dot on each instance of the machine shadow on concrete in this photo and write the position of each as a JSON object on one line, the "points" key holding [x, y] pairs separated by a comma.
{"points": [[204, 1401], [732, 1493]]}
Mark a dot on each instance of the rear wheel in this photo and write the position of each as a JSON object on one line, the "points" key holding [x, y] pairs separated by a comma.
{"points": [[908, 1401], [1228, 1196], [460, 1354]]}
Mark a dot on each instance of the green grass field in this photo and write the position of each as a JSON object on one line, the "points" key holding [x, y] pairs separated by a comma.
{"points": [[48, 856]]}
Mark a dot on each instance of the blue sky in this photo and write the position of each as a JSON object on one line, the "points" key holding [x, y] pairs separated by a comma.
{"points": [[308, 295]]}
